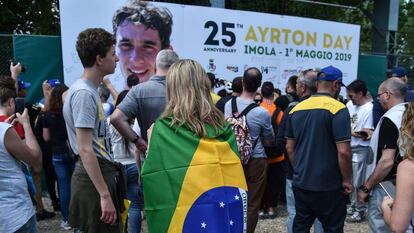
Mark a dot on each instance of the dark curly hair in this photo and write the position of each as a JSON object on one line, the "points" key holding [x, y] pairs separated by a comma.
{"points": [[56, 103], [92, 42], [7, 89], [137, 12]]}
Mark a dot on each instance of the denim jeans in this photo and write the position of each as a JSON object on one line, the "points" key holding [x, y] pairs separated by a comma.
{"points": [[134, 194], [29, 226], [375, 218], [360, 156], [290, 202], [64, 166]]}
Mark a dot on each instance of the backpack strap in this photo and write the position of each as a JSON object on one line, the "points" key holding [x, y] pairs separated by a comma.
{"points": [[248, 108], [275, 115], [255, 143], [233, 105]]}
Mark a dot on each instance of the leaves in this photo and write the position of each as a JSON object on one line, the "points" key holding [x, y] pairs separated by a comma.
{"points": [[29, 17]]}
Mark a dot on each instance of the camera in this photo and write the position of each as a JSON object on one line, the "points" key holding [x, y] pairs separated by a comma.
{"points": [[53, 82], [15, 63]]}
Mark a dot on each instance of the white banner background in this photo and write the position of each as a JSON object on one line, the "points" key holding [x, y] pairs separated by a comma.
{"points": [[278, 56]]}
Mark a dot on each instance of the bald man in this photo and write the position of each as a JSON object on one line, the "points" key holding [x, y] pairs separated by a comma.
{"points": [[384, 146]]}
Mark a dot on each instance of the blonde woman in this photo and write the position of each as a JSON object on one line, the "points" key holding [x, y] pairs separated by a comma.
{"points": [[193, 178], [399, 213]]}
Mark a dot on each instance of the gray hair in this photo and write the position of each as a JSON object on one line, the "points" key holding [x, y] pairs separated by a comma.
{"points": [[396, 86], [309, 80], [165, 58]]}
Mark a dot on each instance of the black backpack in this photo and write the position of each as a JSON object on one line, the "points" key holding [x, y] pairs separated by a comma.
{"points": [[274, 151]]}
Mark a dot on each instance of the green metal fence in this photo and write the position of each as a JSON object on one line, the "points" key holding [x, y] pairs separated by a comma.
{"points": [[6, 53]]}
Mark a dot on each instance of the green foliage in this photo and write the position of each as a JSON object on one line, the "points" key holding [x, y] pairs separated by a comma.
{"points": [[29, 17], [405, 36]]}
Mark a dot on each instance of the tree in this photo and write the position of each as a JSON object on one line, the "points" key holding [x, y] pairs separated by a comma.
{"points": [[405, 38], [29, 17]]}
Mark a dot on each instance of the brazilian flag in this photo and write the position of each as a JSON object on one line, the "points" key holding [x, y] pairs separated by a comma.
{"points": [[194, 184]]}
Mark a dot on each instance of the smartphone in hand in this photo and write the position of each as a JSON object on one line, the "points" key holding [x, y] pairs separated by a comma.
{"points": [[389, 188], [363, 134], [19, 105]]}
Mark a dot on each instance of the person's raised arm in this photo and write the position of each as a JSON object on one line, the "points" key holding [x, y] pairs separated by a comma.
{"points": [[28, 151], [47, 93], [15, 71], [111, 88]]}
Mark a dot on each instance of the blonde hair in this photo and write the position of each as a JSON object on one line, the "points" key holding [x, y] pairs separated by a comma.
{"points": [[189, 101], [406, 139]]}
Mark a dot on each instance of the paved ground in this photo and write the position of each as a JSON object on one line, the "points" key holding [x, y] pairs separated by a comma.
{"points": [[264, 226]]}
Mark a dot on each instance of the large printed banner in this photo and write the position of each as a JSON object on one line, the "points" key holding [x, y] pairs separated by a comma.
{"points": [[226, 42]]}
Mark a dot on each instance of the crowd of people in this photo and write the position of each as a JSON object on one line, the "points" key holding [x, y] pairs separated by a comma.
{"points": [[168, 135]]}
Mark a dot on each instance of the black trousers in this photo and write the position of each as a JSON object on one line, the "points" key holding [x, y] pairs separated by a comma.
{"points": [[328, 206], [276, 181]]}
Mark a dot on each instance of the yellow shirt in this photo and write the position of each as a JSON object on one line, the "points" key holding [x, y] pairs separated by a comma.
{"points": [[215, 97]]}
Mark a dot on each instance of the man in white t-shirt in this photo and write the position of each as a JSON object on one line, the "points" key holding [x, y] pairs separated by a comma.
{"points": [[360, 110]]}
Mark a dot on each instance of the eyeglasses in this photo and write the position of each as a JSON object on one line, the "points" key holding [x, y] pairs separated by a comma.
{"points": [[380, 94]]}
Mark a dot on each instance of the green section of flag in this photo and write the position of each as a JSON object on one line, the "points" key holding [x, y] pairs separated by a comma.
{"points": [[170, 153]]}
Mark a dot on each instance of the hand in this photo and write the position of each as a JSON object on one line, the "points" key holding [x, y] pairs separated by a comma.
{"points": [[23, 118], [47, 89], [369, 132], [387, 202], [11, 119], [108, 210], [347, 186], [141, 145], [15, 70], [362, 196]]}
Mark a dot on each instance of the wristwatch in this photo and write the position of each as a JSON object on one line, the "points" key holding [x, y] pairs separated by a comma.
{"points": [[136, 139], [364, 188]]}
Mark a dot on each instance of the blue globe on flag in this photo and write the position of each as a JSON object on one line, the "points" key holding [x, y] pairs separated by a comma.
{"points": [[221, 209]]}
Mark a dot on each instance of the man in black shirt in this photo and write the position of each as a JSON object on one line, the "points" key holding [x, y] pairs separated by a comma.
{"points": [[384, 146]]}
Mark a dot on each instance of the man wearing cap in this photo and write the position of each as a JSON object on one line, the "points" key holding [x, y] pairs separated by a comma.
{"points": [[318, 137], [401, 72]]}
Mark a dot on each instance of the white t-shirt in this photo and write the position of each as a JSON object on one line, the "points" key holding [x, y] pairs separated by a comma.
{"points": [[361, 118]]}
